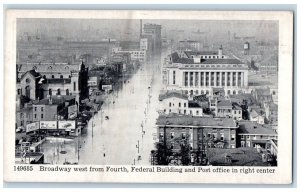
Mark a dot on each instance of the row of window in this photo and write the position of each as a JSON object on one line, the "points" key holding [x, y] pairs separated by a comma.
{"points": [[209, 135], [213, 66], [179, 104], [211, 79], [184, 111], [202, 92]]}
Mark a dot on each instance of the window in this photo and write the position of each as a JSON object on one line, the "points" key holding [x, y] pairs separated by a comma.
{"points": [[67, 92], [242, 136], [191, 112], [42, 108], [248, 144], [42, 116], [19, 91], [232, 137], [27, 80], [242, 143], [179, 104], [50, 91], [184, 104], [169, 110], [61, 76], [52, 76], [172, 135], [184, 111], [35, 108], [74, 86], [161, 136], [165, 110], [183, 135], [170, 104], [222, 137], [58, 92], [208, 135], [174, 77], [35, 116], [197, 112]]}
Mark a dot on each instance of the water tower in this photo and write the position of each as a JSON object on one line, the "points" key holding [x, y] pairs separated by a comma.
{"points": [[246, 48]]}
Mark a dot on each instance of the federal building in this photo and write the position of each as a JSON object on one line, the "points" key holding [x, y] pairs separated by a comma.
{"points": [[198, 72]]}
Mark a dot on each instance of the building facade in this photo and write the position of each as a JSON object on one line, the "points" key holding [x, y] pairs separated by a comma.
{"points": [[201, 133], [198, 74]]}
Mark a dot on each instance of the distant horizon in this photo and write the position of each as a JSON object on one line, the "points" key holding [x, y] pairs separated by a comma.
{"points": [[129, 29]]}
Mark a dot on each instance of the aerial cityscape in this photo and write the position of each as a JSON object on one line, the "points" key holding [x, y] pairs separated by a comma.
{"points": [[146, 92]]}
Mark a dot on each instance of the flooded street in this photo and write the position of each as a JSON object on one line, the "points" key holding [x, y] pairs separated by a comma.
{"points": [[122, 132]]}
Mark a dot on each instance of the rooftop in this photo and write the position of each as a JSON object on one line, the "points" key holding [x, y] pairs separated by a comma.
{"points": [[238, 156], [48, 67], [56, 100], [250, 127], [193, 104], [221, 61], [190, 53], [171, 94], [224, 103], [58, 81], [197, 122]]}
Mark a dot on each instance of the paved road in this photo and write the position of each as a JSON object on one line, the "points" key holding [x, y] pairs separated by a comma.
{"points": [[126, 135]]}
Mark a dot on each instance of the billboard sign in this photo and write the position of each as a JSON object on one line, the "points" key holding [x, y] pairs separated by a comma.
{"points": [[107, 87], [67, 125], [32, 126], [48, 125]]}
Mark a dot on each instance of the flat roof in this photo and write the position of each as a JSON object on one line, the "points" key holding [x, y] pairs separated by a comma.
{"points": [[197, 122]]}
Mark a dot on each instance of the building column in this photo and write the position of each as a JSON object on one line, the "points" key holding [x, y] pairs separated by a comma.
{"points": [[237, 78], [183, 79], [246, 78], [221, 76], [231, 79], [226, 79], [194, 79], [188, 82], [215, 79], [209, 79], [204, 79]]}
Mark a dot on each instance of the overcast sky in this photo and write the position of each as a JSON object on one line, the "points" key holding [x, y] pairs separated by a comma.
{"points": [[129, 29]]}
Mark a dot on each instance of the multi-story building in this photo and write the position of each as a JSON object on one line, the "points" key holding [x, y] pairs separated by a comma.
{"points": [[199, 74], [252, 134], [52, 108], [191, 45], [200, 132], [152, 33], [24, 116], [135, 55], [176, 102], [41, 81]]}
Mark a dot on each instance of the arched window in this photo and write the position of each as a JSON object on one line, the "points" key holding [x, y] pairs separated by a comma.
{"points": [[207, 92], [58, 92], [50, 91], [27, 91], [197, 92], [67, 92], [234, 92], [228, 92], [191, 92], [202, 92]]}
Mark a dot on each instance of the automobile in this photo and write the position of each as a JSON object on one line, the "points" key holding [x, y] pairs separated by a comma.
{"points": [[19, 130]]}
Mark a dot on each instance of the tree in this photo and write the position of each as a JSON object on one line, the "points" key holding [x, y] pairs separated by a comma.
{"points": [[162, 154]]}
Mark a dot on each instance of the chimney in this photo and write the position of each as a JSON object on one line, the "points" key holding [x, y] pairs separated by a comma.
{"points": [[220, 52]]}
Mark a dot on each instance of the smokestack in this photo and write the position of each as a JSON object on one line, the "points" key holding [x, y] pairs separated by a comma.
{"points": [[141, 27]]}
